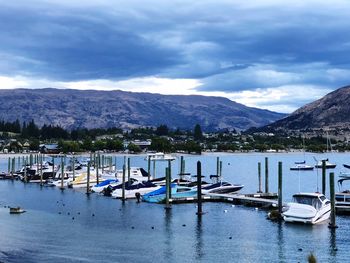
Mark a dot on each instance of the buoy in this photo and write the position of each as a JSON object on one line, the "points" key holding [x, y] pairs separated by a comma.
{"points": [[225, 211], [256, 208], [152, 227], [73, 218], [93, 214], [232, 205], [230, 238]]}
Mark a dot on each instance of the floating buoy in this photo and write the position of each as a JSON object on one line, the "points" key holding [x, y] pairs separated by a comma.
{"points": [[225, 211]]}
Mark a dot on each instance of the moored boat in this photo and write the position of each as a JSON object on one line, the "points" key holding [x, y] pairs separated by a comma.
{"points": [[308, 208]]}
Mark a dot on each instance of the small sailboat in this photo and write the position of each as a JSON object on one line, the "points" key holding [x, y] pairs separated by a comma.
{"points": [[308, 208], [301, 165], [329, 165]]}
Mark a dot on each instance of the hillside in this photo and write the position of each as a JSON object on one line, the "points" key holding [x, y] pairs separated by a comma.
{"points": [[89, 108]]}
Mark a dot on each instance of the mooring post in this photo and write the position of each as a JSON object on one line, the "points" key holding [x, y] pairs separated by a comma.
{"points": [[31, 160], [217, 166], [73, 160], [103, 163], [123, 183], [169, 171], [280, 196], [41, 170], [332, 223], [181, 167], [324, 177], [128, 169], [53, 168], [62, 173], [167, 187], [19, 163], [25, 172], [266, 175], [115, 164], [97, 163], [88, 178], [199, 189], [9, 166], [220, 171], [149, 167], [154, 169], [259, 177], [13, 166]]}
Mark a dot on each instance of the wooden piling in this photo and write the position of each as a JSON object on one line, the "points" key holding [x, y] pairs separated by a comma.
{"points": [[217, 166], [53, 168], [41, 170], [169, 171], [220, 171], [88, 178], [123, 183], [97, 163], [332, 223], [149, 167], [167, 187], [154, 169], [103, 163], [266, 175], [128, 169], [62, 173], [280, 188], [9, 166], [25, 172], [324, 177], [73, 167], [259, 177], [31, 160], [199, 189]]}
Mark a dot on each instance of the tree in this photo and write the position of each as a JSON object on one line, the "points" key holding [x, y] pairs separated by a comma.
{"points": [[160, 145], [134, 148], [162, 130], [198, 135]]}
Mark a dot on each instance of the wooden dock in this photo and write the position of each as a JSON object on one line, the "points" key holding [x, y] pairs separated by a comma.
{"points": [[261, 200]]}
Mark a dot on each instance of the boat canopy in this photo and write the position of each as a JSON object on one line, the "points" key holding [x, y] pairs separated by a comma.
{"points": [[312, 200]]}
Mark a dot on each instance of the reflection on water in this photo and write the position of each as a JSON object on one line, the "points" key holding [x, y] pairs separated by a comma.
{"points": [[280, 241], [199, 239], [332, 243], [168, 249]]}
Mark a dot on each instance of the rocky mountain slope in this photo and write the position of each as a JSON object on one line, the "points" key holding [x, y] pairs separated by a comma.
{"points": [[88, 108], [330, 112]]}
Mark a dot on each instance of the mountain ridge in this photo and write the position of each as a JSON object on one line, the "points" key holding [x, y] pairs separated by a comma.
{"points": [[70, 108]]}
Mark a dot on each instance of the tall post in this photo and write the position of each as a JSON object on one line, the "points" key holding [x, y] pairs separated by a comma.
{"points": [[324, 177], [280, 188], [123, 183], [88, 178], [220, 171], [103, 163], [259, 177], [169, 171], [73, 160], [115, 164], [217, 166], [13, 166], [266, 175], [9, 166], [181, 167], [167, 187], [19, 163], [332, 223], [199, 189], [53, 168], [110, 163], [31, 160], [62, 173], [97, 163], [25, 172], [128, 169], [41, 170], [149, 167], [154, 169]]}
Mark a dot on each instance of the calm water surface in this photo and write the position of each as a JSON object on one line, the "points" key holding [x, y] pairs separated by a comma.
{"points": [[107, 230]]}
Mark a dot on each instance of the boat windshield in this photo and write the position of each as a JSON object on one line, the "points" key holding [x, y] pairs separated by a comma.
{"points": [[308, 200]]}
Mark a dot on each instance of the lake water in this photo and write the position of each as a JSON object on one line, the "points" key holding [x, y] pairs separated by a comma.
{"points": [[70, 226]]}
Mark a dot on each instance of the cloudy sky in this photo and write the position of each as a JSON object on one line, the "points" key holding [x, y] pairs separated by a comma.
{"points": [[269, 54]]}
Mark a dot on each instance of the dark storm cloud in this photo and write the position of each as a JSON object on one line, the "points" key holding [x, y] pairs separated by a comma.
{"points": [[228, 45]]}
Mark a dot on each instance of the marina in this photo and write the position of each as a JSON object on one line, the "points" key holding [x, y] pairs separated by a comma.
{"points": [[230, 220]]}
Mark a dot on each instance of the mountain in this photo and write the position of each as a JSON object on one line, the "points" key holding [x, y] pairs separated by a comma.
{"points": [[332, 112], [91, 109]]}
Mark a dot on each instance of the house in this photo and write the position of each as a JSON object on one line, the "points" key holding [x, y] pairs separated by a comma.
{"points": [[49, 148]]}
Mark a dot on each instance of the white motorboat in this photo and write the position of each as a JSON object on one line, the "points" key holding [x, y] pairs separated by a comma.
{"points": [[342, 198], [98, 188], [221, 188], [308, 208], [159, 156], [137, 173], [329, 165], [130, 192]]}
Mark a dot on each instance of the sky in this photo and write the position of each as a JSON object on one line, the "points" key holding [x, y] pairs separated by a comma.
{"points": [[276, 55]]}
